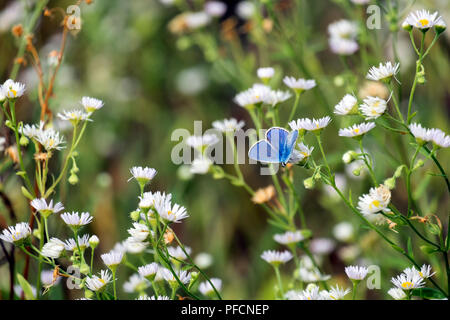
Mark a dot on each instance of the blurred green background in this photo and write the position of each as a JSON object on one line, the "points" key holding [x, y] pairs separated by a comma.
{"points": [[153, 82]]}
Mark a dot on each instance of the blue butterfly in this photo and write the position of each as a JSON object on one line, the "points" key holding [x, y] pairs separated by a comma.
{"points": [[276, 148]]}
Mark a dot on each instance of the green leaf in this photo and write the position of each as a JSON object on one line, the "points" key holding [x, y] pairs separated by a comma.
{"points": [[26, 287], [410, 248], [433, 228], [428, 249], [428, 293]]}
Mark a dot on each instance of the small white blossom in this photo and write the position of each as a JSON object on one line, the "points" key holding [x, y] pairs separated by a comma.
{"points": [[347, 105], [228, 125], [356, 272], [206, 288], [17, 234], [397, 293], [265, 73], [276, 258], [12, 89], [373, 107], [74, 219], [112, 259], [53, 248], [299, 85], [356, 130], [96, 283], [289, 237], [91, 104]]}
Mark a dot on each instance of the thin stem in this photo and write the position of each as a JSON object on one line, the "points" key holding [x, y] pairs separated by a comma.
{"points": [[297, 100], [280, 283]]}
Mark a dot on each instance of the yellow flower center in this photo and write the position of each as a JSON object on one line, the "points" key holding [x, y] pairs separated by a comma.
{"points": [[169, 212], [375, 203], [14, 92], [356, 130], [407, 285], [424, 22], [101, 280]]}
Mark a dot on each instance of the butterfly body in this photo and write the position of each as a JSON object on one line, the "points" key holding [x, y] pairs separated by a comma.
{"points": [[276, 148]]}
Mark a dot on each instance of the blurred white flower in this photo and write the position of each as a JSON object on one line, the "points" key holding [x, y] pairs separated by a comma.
{"points": [[343, 231]]}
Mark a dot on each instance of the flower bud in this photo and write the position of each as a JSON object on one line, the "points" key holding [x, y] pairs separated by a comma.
{"points": [[406, 26], [73, 179], [24, 141], [419, 163], [134, 215], [309, 183], [94, 241], [390, 183], [349, 157], [357, 171]]}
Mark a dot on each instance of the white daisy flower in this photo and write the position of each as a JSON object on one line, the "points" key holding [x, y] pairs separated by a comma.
{"points": [[439, 138], [53, 248], [347, 105], [75, 220], [44, 208], [356, 130], [289, 237], [312, 292], [71, 245], [299, 85], [182, 275], [178, 253], [151, 199], [356, 272], [384, 72], [47, 278], [373, 107], [112, 259], [265, 73], [228, 125], [275, 258], [343, 29], [337, 293], [96, 283], [31, 131], [425, 271], [206, 288], [146, 297], [440, 25], [422, 19], [312, 275], [310, 125], [200, 165], [17, 234], [143, 175], [215, 8], [149, 271], [50, 139], [91, 104], [254, 95], [201, 142], [397, 293], [74, 116], [276, 97], [12, 89], [419, 132], [139, 231], [408, 281], [170, 213], [377, 200], [134, 246], [135, 283], [343, 47]]}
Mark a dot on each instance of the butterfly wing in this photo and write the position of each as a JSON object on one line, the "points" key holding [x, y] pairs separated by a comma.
{"points": [[263, 151], [283, 141], [290, 145]]}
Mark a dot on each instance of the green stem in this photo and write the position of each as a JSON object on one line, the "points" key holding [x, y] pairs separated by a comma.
{"points": [[297, 100], [280, 283]]}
